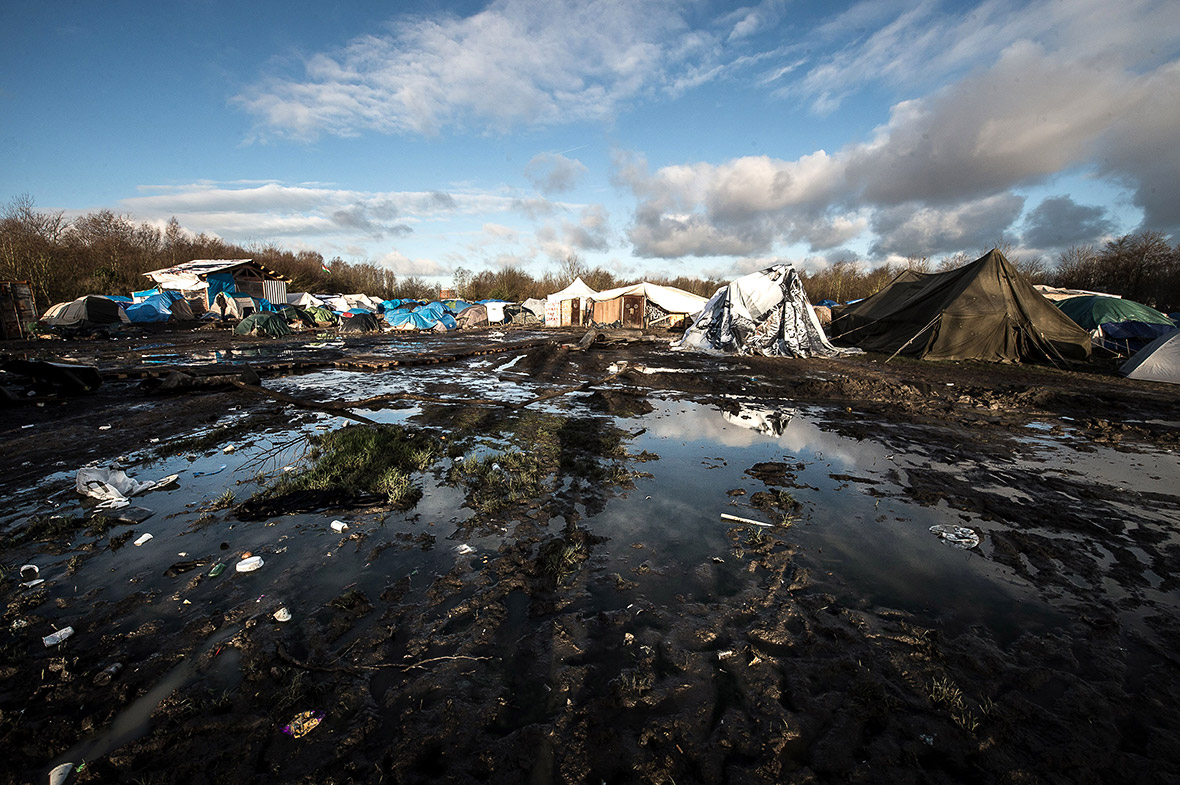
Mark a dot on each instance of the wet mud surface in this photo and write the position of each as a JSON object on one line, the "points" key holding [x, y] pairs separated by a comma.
{"points": [[525, 590]]}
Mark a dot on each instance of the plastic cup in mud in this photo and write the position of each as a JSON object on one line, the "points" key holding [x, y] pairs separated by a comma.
{"points": [[29, 572], [339, 526], [59, 774], [282, 614], [57, 637], [104, 676], [249, 564], [142, 539]]}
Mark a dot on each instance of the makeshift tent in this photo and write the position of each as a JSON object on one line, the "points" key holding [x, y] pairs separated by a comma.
{"points": [[204, 279], [295, 316], [568, 307], [645, 305], [360, 323], [763, 313], [472, 316], [495, 310], [1159, 361], [231, 306], [984, 310], [536, 306], [1119, 325], [321, 315], [518, 314], [263, 323], [89, 309], [303, 300], [457, 306]]}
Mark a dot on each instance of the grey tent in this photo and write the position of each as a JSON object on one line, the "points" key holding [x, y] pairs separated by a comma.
{"points": [[984, 310], [91, 309], [473, 316], [763, 313], [360, 323], [1159, 361], [263, 323]]}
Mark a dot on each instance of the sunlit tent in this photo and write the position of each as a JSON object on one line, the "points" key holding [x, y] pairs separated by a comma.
{"points": [[295, 316], [763, 313], [1159, 361], [537, 307], [519, 315], [227, 305], [165, 306], [568, 307], [1115, 323], [645, 305], [321, 315], [90, 309], [360, 323], [263, 323], [303, 300], [495, 310], [984, 310], [472, 316]]}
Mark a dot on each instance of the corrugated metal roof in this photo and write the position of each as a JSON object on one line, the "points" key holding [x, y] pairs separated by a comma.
{"points": [[203, 267]]}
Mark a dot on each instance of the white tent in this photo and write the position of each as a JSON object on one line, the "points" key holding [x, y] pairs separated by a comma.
{"points": [[303, 300], [564, 308], [1159, 361], [495, 312], [763, 313], [668, 298]]}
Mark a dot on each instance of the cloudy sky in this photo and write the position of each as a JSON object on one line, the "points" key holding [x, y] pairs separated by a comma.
{"points": [[647, 137]]}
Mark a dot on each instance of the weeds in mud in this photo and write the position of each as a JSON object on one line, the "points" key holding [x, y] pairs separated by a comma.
{"points": [[559, 559], [98, 525], [500, 480], [361, 459], [223, 501], [946, 693], [43, 528]]}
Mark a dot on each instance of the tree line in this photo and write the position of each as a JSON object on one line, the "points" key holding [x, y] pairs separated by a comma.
{"points": [[106, 253]]}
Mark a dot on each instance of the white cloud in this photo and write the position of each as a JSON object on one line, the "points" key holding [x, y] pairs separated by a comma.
{"points": [[403, 265], [517, 63]]}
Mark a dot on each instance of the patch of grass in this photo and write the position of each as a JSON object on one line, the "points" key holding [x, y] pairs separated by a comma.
{"points": [[364, 459], [44, 528], [98, 525], [946, 693], [500, 480], [560, 558], [223, 501]]}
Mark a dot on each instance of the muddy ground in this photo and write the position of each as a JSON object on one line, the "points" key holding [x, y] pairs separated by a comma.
{"points": [[555, 647]]}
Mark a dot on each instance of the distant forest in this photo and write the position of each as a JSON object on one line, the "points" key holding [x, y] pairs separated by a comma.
{"points": [[106, 253]]}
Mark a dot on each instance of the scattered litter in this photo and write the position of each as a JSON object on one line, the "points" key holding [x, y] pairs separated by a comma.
{"points": [[30, 425], [154, 440], [726, 654], [181, 567], [142, 539], [282, 614], [927, 739], [57, 637], [32, 583], [249, 564], [104, 427], [728, 517], [216, 570], [956, 536], [303, 723], [19, 624], [218, 470], [464, 549], [59, 774], [718, 560], [628, 638], [113, 487], [339, 526], [227, 449], [104, 676], [29, 572]]}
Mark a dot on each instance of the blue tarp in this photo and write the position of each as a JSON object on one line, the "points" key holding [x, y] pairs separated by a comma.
{"points": [[1130, 336], [456, 306], [153, 309], [144, 294], [828, 303], [263, 304], [416, 321], [393, 305], [220, 282], [355, 311]]}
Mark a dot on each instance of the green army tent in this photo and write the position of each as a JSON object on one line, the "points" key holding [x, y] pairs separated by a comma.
{"points": [[984, 310], [263, 323]]}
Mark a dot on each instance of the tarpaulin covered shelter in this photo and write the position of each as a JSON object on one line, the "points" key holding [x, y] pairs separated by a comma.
{"points": [[263, 323], [567, 308], [645, 305], [89, 309], [228, 305], [202, 279], [302, 299], [984, 310], [472, 316], [321, 315], [1119, 325], [360, 323], [763, 313], [1159, 361]]}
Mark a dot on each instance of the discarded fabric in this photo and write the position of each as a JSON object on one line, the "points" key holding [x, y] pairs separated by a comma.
{"points": [[303, 723], [956, 536], [113, 487]]}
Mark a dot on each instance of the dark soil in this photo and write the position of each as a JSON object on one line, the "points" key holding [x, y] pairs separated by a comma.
{"points": [[531, 663]]}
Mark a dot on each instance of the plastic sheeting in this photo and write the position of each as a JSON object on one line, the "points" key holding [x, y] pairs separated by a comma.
{"points": [[112, 487], [763, 313]]}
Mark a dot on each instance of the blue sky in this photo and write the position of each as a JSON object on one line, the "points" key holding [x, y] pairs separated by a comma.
{"points": [[647, 137]]}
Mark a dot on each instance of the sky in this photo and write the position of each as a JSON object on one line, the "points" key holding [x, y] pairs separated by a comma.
{"points": [[650, 138]]}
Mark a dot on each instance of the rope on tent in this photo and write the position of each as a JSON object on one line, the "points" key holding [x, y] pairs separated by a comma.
{"points": [[919, 332]]}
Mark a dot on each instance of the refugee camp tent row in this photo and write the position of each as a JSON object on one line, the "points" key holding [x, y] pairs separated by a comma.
{"points": [[201, 280], [644, 305], [89, 309], [984, 310], [764, 313], [1116, 324]]}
